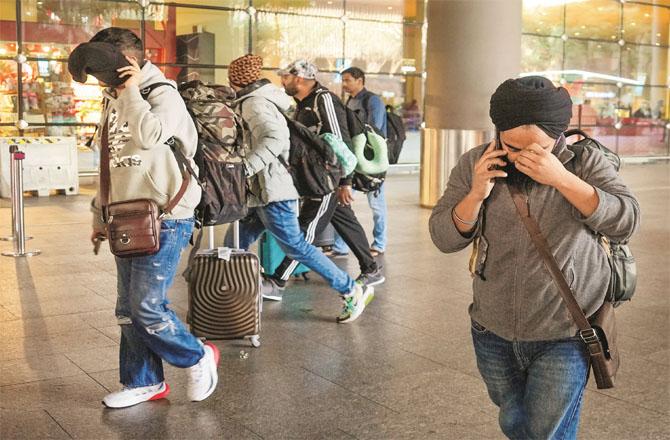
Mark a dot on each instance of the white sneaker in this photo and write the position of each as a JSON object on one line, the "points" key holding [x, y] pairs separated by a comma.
{"points": [[203, 376], [132, 396], [354, 303]]}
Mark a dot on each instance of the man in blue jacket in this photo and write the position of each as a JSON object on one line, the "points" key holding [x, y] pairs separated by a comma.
{"points": [[371, 110]]}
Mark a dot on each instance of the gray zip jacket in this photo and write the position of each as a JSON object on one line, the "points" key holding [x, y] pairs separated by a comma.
{"points": [[516, 298], [266, 135]]}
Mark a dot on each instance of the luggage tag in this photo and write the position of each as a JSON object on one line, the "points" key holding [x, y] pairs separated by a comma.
{"points": [[224, 253]]}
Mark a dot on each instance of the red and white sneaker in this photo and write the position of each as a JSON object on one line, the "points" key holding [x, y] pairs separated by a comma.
{"points": [[132, 396], [203, 376]]}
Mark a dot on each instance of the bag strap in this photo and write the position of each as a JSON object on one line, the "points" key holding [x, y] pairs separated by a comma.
{"points": [[586, 332], [105, 181], [145, 92]]}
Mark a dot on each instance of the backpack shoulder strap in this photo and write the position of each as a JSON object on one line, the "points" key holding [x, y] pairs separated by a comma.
{"points": [[315, 109], [145, 92], [366, 104]]}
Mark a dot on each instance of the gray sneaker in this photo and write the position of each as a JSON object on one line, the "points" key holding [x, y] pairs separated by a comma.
{"points": [[271, 289], [372, 278]]}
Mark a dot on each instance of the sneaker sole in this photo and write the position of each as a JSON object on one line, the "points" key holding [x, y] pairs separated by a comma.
{"points": [[217, 356], [379, 281], [163, 394], [160, 395], [368, 296]]}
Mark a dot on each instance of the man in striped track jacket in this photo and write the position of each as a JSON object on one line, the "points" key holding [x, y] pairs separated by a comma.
{"points": [[322, 111]]}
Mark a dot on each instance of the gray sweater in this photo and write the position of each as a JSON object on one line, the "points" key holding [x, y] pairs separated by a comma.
{"points": [[517, 299]]}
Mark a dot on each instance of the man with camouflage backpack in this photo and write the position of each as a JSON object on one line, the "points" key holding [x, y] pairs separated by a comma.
{"points": [[273, 199]]}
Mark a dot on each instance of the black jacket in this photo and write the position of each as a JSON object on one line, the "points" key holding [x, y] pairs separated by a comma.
{"points": [[328, 115]]}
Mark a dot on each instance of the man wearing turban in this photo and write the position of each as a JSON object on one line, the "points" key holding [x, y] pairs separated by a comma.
{"points": [[533, 363]]}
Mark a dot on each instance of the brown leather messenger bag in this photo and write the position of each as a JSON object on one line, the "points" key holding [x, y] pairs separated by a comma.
{"points": [[598, 332]]}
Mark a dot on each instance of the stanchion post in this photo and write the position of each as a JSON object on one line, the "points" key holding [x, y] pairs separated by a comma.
{"points": [[17, 209], [12, 175]]}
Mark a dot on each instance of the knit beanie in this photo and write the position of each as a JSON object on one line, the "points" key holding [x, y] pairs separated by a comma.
{"points": [[245, 70]]}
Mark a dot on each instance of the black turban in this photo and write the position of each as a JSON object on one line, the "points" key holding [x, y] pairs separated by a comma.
{"points": [[531, 100], [98, 59]]}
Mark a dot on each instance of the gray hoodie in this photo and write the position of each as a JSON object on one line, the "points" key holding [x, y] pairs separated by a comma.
{"points": [[267, 137], [516, 299], [141, 165]]}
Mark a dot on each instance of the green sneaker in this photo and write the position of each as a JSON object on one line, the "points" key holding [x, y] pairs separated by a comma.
{"points": [[355, 302]]}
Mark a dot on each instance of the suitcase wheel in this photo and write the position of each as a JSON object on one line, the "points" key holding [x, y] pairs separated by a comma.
{"points": [[255, 341]]}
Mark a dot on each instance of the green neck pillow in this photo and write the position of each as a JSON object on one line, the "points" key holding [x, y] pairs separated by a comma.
{"points": [[377, 145]]}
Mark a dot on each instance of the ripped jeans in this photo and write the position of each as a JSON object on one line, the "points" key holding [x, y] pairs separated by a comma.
{"points": [[150, 331]]}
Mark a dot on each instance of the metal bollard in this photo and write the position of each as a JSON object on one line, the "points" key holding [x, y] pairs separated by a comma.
{"points": [[12, 149], [18, 224]]}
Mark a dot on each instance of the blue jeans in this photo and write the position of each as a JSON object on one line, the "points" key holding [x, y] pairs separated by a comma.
{"points": [[150, 331], [538, 385], [281, 219], [378, 205]]}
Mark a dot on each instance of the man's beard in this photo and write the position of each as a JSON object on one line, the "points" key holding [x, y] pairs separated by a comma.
{"points": [[514, 176], [290, 90]]}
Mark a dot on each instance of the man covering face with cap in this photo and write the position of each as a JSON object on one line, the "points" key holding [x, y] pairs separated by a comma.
{"points": [[533, 364]]}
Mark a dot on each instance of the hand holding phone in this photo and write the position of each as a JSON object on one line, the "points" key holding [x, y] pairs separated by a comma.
{"points": [[486, 170]]}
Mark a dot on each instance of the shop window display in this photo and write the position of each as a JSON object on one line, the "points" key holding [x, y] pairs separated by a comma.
{"points": [[613, 58], [177, 35]]}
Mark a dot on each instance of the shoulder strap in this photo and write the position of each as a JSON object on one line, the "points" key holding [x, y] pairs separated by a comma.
{"points": [[366, 106], [145, 92], [315, 108], [105, 181], [521, 202]]}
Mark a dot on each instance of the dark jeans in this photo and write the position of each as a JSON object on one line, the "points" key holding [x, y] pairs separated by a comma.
{"points": [[315, 215], [538, 385]]}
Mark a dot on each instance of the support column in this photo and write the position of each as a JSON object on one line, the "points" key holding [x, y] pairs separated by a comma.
{"points": [[472, 46]]}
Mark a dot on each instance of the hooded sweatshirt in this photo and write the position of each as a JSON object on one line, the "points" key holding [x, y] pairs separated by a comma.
{"points": [[266, 134], [142, 166]]}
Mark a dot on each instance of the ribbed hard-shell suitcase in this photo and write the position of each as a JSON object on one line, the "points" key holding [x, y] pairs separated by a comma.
{"points": [[225, 295]]}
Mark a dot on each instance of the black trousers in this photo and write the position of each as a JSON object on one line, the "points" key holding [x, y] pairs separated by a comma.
{"points": [[315, 214]]}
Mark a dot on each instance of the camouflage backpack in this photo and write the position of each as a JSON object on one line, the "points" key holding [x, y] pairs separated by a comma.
{"points": [[219, 153]]}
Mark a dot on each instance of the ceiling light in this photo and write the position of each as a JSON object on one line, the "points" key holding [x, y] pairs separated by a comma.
{"points": [[586, 74]]}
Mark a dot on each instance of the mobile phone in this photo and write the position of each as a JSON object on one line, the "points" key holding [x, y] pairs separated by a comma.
{"points": [[499, 147]]}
